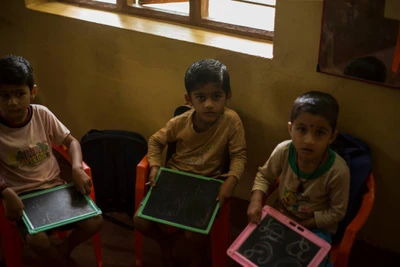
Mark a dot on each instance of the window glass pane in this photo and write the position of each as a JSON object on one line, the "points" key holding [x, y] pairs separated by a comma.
{"points": [[243, 13], [106, 1], [179, 6]]}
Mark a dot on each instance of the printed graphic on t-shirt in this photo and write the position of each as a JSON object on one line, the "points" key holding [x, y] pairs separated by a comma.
{"points": [[29, 157], [198, 158], [295, 202]]}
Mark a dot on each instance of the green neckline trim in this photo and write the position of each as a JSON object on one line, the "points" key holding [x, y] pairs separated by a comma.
{"points": [[323, 169]]}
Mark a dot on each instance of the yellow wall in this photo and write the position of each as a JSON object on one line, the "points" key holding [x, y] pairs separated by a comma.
{"points": [[93, 76]]}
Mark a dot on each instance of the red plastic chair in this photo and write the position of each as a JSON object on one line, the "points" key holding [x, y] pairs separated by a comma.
{"points": [[340, 251], [12, 243], [220, 233]]}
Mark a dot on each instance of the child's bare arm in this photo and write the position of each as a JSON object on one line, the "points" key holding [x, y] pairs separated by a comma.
{"points": [[227, 189], [255, 207], [79, 177], [309, 223], [74, 151]]}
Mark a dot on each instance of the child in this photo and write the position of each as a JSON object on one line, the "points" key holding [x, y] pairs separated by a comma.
{"points": [[314, 180], [26, 159], [368, 68], [207, 136]]}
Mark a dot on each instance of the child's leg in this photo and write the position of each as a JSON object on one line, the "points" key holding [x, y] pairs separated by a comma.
{"points": [[198, 243], [44, 248], [84, 230], [325, 235], [152, 230]]}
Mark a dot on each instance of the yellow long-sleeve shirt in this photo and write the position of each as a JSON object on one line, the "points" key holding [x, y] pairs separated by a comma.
{"points": [[203, 153]]}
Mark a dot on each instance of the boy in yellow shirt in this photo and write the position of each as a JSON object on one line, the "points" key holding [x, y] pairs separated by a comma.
{"points": [[207, 137]]}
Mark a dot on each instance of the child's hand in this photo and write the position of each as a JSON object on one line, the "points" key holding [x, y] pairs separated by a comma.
{"points": [[309, 223], [81, 180], [226, 190], [254, 212], [13, 204], [153, 175], [255, 207]]}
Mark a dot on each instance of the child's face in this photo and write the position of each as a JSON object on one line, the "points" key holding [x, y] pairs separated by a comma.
{"points": [[209, 102], [311, 135], [14, 102]]}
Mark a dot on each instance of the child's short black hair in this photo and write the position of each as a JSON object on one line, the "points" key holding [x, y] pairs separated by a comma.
{"points": [[317, 103], [16, 70], [367, 68], [207, 71]]}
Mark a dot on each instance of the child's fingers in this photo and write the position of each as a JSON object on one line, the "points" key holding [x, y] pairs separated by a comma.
{"points": [[152, 180], [255, 217], [81, 189], [259, 217], [87, 185], [87, 189], [221, 199], [20, 213]]}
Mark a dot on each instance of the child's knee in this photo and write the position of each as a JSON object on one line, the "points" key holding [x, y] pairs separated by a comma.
{"points": [[141, 224], [195, 237], [91, 225], [38, 241]]}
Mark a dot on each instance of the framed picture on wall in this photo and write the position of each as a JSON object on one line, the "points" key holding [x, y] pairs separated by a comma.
{"points": [[360, 39]]}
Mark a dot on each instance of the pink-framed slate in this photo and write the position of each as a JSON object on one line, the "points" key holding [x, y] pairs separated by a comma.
{"points": [[278, 241]]}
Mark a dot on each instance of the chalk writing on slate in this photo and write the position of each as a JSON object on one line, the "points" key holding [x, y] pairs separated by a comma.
{"points": [[274, 244], [183, 200], [55, 206]]}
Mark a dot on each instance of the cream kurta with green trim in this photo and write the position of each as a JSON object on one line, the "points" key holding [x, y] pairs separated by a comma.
{"points": [[325, 194]]}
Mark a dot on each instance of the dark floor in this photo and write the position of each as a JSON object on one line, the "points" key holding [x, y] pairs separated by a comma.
{"points": [[118, 247]]}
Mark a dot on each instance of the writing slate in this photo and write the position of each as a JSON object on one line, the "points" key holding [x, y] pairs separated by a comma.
{"points": [[182, 200], [60, 205], [278, 241]]}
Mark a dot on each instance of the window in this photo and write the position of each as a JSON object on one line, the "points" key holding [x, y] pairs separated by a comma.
{"points": [[252, 18]]}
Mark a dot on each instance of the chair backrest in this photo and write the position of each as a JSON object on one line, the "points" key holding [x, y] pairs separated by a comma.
{"points": [[113, 156], [357, 155]]}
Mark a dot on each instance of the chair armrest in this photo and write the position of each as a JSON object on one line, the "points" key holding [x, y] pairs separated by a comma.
{"points": [[142, 174], [358, 222]]}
